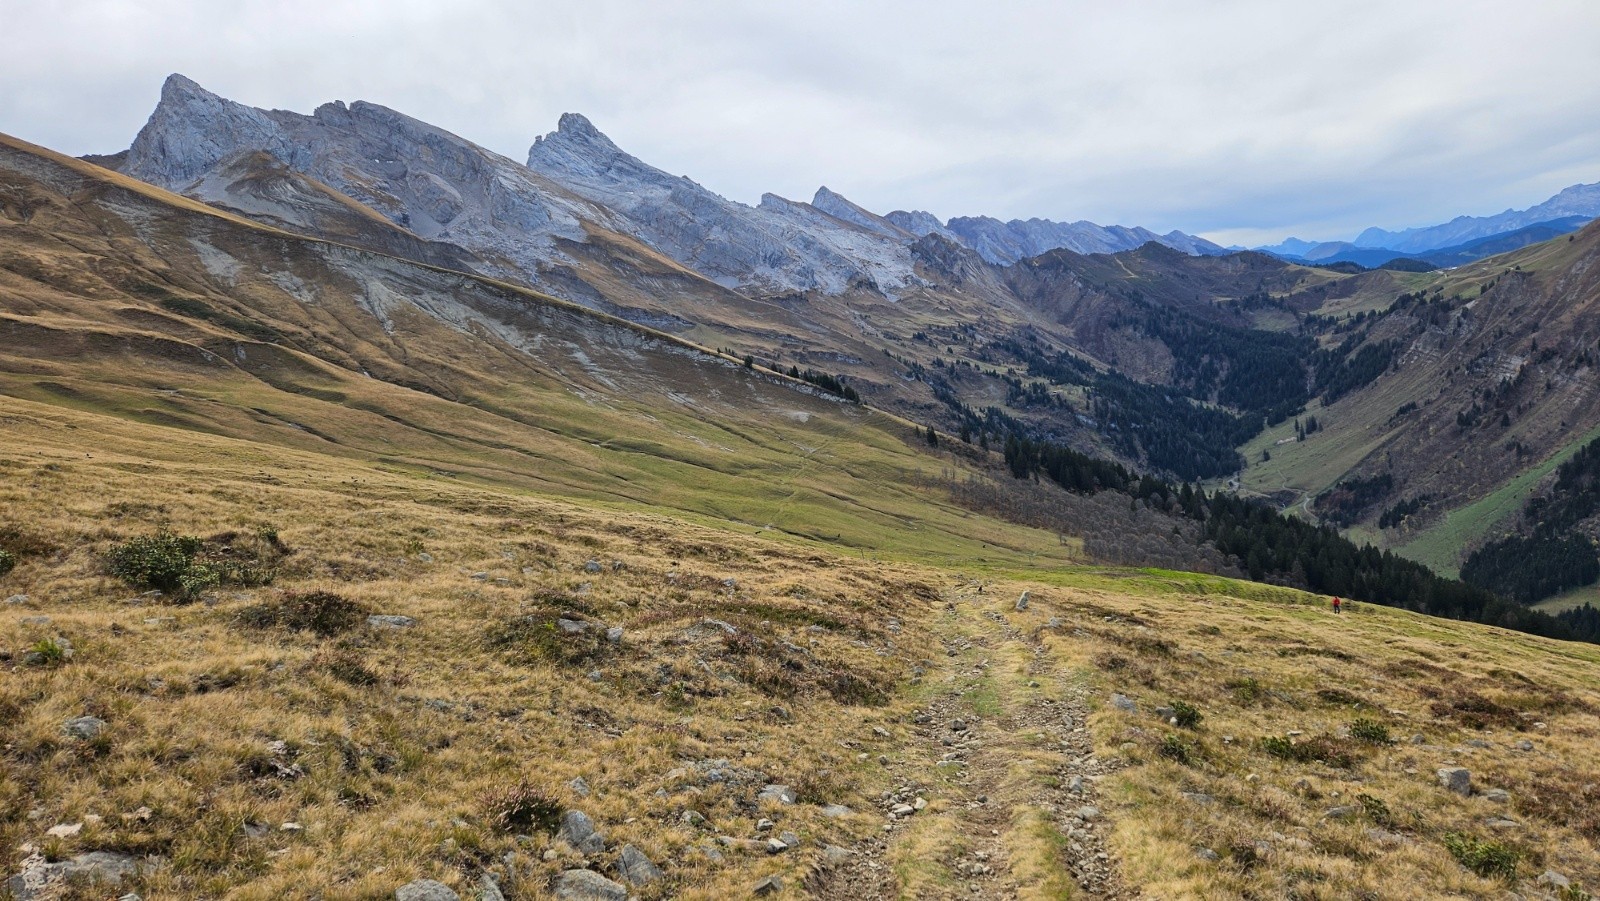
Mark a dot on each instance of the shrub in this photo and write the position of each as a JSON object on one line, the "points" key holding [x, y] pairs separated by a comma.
{"points": [[8, 561], [1245, 691], [1376, 810], [1187, 715], [1322, 749], [1175, 748], [1370, 731], [520, 808], [159, 561], [48, 652], [321, 612], [1486, 858]]}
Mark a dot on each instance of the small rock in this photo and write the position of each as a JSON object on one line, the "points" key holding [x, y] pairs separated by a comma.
{"points": [[1457, 779], [635, 868], [920, 804], [1022, 602], [1076, 785], [902, 810], [1524, 745], [693, 818], [833, 855], [593, 566], [1165, 713], [587, 885], [776, 846], [17, 599], [614, 635], [1385, 837], [1554, 880], [425, 890], [489, 889], [1502, 823], [790, 839], [481, 577], [84, 727], [579, 831], [783, 794], [291, 827], [764, 825], [1206, 854], [958, 726], [1418, 740], [1341, 813], [571, 626], [424, 557], [390, 621], [1478, 743], [768, 886], [579, 787], [1123, 703], [711, 853], [834, 811], [1497, 796]]}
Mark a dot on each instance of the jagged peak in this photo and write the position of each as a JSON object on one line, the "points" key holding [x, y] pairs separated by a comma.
{"points": [[575, 129], [179, 87]]}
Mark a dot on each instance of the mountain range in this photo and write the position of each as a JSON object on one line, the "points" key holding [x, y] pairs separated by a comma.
{"points": [[1462, 239]]}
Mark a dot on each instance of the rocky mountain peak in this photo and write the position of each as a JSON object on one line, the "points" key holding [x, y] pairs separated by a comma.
{"points": [[192, 130]]}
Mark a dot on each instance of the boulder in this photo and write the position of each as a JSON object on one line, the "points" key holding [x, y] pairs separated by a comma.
{"points": [[425, 890], [84, 727], [389, 621], [579, 831], [1457, 779], [783, 794], [587, 885], [635, 868]]}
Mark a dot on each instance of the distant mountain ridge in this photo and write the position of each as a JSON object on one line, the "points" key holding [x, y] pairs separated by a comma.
{"points": [[1568, 210]]}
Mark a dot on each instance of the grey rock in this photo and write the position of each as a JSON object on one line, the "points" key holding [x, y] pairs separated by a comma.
{"points": [[481, 576], [587, 885], [390, 621], [1022, 602], [579, 787], [580, 832], [790, 839], [571, 626], [1123, 703], [768, 886], [1554, 880], [635, 868], [84, 727], [764, 825], [1478, 743], [834, 811], [593, 566], [833, 855], [1206, 854], [425, 890], [783, 794], [1456, 779], [776, 846], [1165, 713], [1077, 785], [17, 600], [1418, 740], [489, 889], [1502, 823], [614, 635], [693, 818], [1341, 813], [1524, 745], [35, 883], [1497, 796], [424, 557], [1087, 812], [35, 620], [1387, 838], [711, 852]]}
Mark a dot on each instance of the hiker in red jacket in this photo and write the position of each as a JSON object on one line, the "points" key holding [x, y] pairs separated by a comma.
{"points": [[1336, 604]]}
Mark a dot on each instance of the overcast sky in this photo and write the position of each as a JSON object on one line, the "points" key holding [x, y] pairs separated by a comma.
{"points": [[1241, 121]]}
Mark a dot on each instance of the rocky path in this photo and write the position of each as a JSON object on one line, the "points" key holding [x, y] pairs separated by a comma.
{"points": [[998, 791]]}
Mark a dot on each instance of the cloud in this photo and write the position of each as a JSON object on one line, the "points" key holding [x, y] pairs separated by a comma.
{"points": [[1240, 119]]}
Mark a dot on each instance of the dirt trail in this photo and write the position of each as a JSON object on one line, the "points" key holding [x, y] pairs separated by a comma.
{"points": [[1001, 753]]}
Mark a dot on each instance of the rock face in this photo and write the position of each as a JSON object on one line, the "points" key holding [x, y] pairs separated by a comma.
{"points": [[780, 246]]}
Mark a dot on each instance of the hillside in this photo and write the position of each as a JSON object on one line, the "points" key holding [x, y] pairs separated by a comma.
{"points": [[1484, 381]]}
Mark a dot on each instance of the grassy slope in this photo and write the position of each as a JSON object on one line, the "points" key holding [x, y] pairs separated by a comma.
{"points": [[394, 770]]}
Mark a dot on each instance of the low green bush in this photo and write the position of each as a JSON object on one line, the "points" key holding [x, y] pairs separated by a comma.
{"points": [[1486, 858]]}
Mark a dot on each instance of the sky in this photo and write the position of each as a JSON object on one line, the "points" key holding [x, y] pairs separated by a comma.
{"points": [[1238, 120]]}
